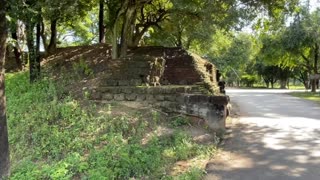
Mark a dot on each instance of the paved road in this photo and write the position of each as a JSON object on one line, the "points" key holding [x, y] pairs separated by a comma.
{"points": [[277, 137]]}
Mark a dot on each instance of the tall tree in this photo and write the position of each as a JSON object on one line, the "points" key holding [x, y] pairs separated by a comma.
{"points": [[4, 144], [130, 19], [102, 31], [67, 11], [302, 38], [274, 54], [14, 27], [33, 13]]}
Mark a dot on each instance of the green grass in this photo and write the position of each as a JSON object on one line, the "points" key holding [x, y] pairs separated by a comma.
{"points": [[297, 87], [308, 96], [54, 136]]}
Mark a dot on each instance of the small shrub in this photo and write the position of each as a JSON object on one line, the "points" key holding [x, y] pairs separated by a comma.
{"points": [[82, 68], [248, 80], [192, 174], [179, 121]]}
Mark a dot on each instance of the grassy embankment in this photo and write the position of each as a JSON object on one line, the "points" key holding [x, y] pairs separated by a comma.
{"points": [[308, 96], [54, 136]]}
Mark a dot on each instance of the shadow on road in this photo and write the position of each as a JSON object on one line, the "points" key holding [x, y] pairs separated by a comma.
{"points": [[277, 137], [267, 153]]}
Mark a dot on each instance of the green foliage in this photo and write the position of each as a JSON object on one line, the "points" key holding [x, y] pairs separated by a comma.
{"points": [[122, 160], [193, 174], [248, 80], [179, 121], [46, 115], [82, 68], [53, 136], [180, 146]]}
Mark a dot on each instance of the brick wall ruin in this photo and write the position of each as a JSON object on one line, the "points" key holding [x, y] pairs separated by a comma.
{"points": [[173, 66], [188, 100], [188, 82]]}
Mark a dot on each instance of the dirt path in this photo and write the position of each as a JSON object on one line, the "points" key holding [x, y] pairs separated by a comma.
{"points": [[276, 137]]}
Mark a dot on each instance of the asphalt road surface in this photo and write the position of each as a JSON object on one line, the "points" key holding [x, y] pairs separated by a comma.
{"points": [[276, 137]]}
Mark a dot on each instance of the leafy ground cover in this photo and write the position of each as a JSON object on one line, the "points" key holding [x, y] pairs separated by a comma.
{"points": [[55, 136]]}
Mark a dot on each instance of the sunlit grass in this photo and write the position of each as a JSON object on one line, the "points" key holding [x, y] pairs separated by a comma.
{"points": [[308, 96], [297, 87], [276, 86], [52, 135]]}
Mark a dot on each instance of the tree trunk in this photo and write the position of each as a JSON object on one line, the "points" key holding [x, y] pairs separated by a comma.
{"points": [[102, 32], [38, 56], [316, 58], [126, 30], [115, 41], [53, 39], [305, 84], [313, 85], [137, 37], [179, 39], [267, 83], [315, 68], [16, 49], [31, 50], [131, 34], [4, 143], [44, 37], [283, 84]]}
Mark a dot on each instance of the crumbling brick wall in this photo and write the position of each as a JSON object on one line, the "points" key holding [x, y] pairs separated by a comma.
{"points": [[188, 100], [178, 67]]}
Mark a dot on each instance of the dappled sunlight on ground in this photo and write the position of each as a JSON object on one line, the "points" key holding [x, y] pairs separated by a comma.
{"points": [[268, 152], [276, 137]]}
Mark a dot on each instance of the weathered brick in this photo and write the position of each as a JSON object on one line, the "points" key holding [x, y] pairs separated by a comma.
{"points": [[126, 90], [159, 97], [180, 90], [131, 97], [108, 97], [96, 96], [119, 97], [188, 89], [170, 98], [139, 90], [141, 97], [115, 90], [135, 82], [105, 89], [180, 99], [150, 90], [123, 83], [150, 97], [111, 83], [170, 90]]}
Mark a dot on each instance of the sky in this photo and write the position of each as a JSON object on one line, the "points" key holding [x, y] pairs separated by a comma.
{"points": [[314, 4]]}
